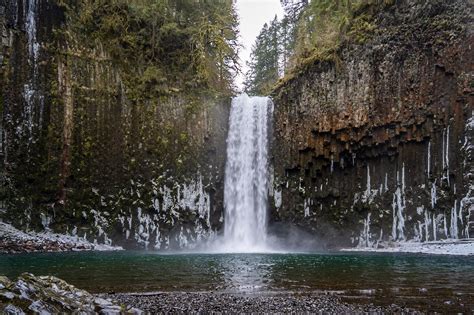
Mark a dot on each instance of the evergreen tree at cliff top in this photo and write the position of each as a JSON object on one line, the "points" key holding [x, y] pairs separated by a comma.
{"points": [[264, 62], [310, 31]]}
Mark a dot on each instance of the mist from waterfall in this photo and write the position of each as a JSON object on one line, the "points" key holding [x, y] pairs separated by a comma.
{"points": [[247, 175]]}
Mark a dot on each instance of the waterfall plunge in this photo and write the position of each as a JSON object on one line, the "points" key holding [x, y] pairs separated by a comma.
{"points": [[246, 175]]}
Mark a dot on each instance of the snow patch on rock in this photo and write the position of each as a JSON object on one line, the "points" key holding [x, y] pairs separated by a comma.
{"points": [[444, 247], [14, 240]]}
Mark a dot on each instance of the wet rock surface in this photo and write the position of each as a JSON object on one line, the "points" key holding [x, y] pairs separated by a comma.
{"points": [[51, 295], [210, 302]]}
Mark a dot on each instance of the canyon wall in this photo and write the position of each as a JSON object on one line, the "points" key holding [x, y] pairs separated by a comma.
{"points": [[375, 144], [96, 142]]}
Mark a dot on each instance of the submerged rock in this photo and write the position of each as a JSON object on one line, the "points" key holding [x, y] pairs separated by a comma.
{"points": [[48, 294]]}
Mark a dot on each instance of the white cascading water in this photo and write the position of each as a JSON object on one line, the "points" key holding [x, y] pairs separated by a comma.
{"points": [[246, 175]]}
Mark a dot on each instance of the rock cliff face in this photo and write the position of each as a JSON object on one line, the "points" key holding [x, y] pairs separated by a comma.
{"points": [[91, 147], [376, 145]]}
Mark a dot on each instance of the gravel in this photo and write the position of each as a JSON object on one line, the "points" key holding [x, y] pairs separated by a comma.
{"points": [[211, 302]]}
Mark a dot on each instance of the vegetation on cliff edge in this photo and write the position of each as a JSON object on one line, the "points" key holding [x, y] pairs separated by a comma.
{"points": [[310, 31]]}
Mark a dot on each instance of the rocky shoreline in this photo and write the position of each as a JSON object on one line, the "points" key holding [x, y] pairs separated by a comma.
{"points": [[13, 241], [215, 302], [51, 295]]}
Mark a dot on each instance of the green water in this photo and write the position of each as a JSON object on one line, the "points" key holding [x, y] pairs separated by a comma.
{"points": [[383, 277]]}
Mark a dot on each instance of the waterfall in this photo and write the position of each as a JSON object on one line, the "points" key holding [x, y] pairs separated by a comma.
{"points": [[246, 174]]}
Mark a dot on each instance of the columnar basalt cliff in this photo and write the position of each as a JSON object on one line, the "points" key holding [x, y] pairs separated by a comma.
{"points": [[96, 140], [375, 144]]}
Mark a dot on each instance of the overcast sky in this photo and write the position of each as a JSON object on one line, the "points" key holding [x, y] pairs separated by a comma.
{"points": [[253, 14]]}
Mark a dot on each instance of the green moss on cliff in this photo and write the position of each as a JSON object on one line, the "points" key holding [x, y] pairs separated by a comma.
{"points": [[163, 47], [129, 90], [324, 27]]}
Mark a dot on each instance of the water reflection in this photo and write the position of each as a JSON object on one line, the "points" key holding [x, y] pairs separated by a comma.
{"points": [[246, 273], [251, 273]]}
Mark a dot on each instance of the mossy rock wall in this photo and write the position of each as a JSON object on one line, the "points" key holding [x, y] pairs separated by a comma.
{"points": [[375, 144], [101, 144]]}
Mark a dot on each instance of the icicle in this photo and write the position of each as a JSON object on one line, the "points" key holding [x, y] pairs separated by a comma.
{"points": [[445, 226], [394, 214], [129, 219], [468, 221], [157, 240], [182, 239], [447, 156], [418, 232], [367, 196], [398, 206], [278, 199], [454, 221], [429, 158], [403, 179], [400, 217], [379, 239], [433, 195], [306, 207], [427, 223], [444, 150], [364, 239], [368, 180]]}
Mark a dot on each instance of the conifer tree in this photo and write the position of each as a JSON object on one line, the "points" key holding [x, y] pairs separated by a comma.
{"points": [[265, 60]]}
